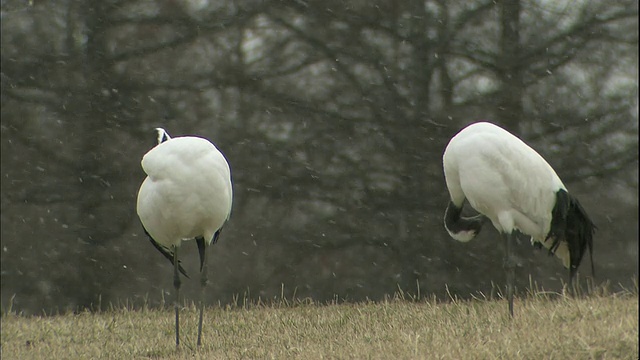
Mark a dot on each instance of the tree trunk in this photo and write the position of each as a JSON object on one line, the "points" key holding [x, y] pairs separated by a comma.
{"points": [[510, 71]]}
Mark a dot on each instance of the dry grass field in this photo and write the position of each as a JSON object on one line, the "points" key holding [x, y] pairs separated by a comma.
{"points": [[546, 326]]}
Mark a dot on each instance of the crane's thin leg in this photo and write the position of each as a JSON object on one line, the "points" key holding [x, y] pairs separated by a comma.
{"points": [[176, 285], [203, 285], [509, 265], [571, 288]]}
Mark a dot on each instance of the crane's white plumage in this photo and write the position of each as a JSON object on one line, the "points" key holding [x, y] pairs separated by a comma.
{"points": [[504, 179], [186, 195], [187, 192], [509, 183]]}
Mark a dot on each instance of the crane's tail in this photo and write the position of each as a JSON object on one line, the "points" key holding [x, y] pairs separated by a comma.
{"points": [[571, 224]]}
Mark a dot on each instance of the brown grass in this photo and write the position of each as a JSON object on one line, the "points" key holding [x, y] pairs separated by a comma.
{"points": [[603, 326]]}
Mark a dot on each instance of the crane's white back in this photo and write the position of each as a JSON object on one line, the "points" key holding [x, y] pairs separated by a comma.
{"points": [[187, 192]]}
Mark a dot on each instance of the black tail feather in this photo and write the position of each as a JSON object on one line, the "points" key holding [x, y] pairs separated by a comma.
{"points": [[202, 246], [166, 252], [201, 249], [571, 223], [216, 236]]}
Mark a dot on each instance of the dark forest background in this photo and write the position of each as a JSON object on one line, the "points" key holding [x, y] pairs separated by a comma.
{"points": [[333, 116]]}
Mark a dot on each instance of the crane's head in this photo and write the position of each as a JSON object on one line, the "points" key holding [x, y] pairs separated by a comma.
{"points": [[163, 135], [462, 228]]}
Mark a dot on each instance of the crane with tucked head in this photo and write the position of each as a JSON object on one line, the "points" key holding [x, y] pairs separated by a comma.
{"points": [[512, 186], [186, 195]]}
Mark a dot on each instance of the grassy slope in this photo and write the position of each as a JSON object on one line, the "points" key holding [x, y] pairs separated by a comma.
{"points": [[596, 327]]}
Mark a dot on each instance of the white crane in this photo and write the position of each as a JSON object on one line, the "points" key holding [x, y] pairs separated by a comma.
{"points": [[186, 195], [512, 186]]}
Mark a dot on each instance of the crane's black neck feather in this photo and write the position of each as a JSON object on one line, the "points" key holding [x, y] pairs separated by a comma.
{"points": [[163, 138], [456, 223], [570, 223], [166, 252]]}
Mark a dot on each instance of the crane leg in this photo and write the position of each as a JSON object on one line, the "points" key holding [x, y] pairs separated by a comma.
{"points": [[509, 266], [176, 286], [203, 285], [572, 286]]}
